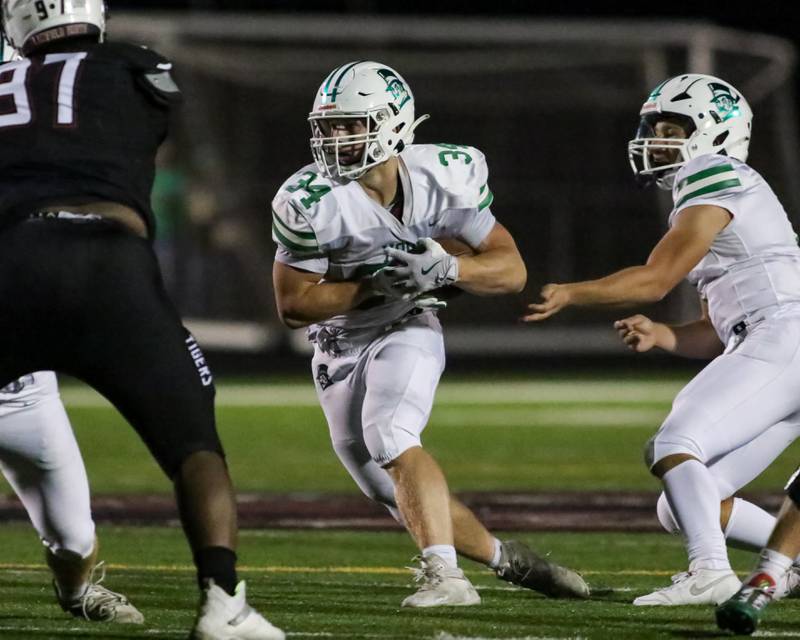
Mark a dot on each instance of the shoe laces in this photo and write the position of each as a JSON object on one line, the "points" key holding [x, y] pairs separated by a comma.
{"points": [[754, 596], [427, 574], [680, 577], [100, 598]]}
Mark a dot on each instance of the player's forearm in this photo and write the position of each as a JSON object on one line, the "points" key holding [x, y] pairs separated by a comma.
{"points": [[494, 272], [321, 301], [692, 340], [634, 285]]}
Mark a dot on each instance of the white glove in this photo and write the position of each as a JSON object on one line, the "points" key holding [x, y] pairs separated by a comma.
{"points": [[384, 281], [417, 273]]}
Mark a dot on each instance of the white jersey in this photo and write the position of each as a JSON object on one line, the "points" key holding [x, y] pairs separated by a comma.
{"points": [[753, 265], [334, 228]]}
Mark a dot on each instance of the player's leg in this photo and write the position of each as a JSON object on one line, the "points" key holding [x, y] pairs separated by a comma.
{"points": [[731, 402], [41, 461], [142, 359], [400, 375], [746, 525], [743, 612], [340, 388]]}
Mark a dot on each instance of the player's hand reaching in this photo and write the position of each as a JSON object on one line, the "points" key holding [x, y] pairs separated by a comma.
{"points": [[638, 332], [429, 268], [554, 298]]}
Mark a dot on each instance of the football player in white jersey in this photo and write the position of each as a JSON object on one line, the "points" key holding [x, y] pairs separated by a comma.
{"points": [[729, 235], [743, 611], [40, 459], [357, 264]]}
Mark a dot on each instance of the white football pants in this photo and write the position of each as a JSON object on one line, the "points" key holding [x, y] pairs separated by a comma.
{"points": [[41, 461], [741, 395], [377, 400]]}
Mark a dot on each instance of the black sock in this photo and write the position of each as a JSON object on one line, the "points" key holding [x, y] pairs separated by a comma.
{"points": [[218, 564]]}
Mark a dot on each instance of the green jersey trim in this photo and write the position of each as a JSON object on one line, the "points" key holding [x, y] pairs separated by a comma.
{"points": [[488, 197], [711, 188], [705, 173], [295, 240]]}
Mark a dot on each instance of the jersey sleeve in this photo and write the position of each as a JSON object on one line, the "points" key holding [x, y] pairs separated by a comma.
{"points": [[297, 242], [467, 174], [153, 73], [711, 179]]}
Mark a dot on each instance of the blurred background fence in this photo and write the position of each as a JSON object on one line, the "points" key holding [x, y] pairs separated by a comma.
{"points": [[551, 103]]}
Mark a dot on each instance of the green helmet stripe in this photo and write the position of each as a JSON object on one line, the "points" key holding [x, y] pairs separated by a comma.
{"points": [[344, 69], [327, 82]]}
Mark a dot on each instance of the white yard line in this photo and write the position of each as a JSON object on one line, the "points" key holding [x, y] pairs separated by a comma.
{"points": [[473, 393]]}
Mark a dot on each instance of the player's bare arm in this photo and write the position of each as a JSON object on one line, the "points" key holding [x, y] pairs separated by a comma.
{"points": [[681, 248], [697, 339], [304, 297], [495, 269]]}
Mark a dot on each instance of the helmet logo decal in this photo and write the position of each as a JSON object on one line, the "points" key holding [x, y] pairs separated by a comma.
{"points": [[656, 92], [727, 104], [395, 86]]}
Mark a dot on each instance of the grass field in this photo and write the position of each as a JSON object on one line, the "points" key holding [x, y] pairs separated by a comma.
{"points": [[348, 585], [498, 435], [504, 435]]}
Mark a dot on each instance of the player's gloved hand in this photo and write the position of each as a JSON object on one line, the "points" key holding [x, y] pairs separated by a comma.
{"points": [[432, 267], [384, 281], [429, 302]]}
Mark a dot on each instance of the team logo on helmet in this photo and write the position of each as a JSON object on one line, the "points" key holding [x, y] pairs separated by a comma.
{"points": [[395, 86], [727, 104]]}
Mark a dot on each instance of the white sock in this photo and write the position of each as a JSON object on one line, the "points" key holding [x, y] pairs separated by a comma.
{"points": [[749, 526], [494, 563], [772, 564], [694, 499], [446, 552]]}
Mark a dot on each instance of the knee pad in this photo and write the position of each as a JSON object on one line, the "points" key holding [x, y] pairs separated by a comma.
{"points": [[793, 488], [386, 442], [665, 444], [78, 541], [374, 481], [665, 516]]}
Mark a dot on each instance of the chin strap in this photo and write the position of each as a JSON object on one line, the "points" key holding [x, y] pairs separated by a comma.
{"points": [[409, 137]]}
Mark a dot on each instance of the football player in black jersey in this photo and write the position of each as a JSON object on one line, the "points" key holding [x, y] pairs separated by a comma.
{"points": [[80, 290]]}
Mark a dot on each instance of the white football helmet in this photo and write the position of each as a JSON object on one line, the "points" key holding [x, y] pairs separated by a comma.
{"points": [[31, 23], [716, 117], [374, 93], [7, 52]]}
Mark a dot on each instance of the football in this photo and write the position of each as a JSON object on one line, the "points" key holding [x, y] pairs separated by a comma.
{"points": [[455, 247]]}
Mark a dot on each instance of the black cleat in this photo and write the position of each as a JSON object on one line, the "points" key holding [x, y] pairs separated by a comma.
{"points": [[519, 565]]}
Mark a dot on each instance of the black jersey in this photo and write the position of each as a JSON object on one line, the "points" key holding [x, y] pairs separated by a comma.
{"points": [[82, 126]]}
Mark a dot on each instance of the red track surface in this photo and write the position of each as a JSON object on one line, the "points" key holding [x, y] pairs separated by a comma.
{"points": [[545, 511]]}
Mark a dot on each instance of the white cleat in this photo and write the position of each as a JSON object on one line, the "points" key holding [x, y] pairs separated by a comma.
{"points": [[703, 586], [789, 585], [99, 604], [224, 617], [442, 586]]}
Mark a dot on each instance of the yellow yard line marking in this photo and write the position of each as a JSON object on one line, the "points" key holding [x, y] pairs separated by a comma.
{"points": [[346, 570]]}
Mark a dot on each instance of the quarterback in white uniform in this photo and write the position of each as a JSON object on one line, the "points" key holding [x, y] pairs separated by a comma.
{"points": [[40, 459], [358, 264], [729, 235]]}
